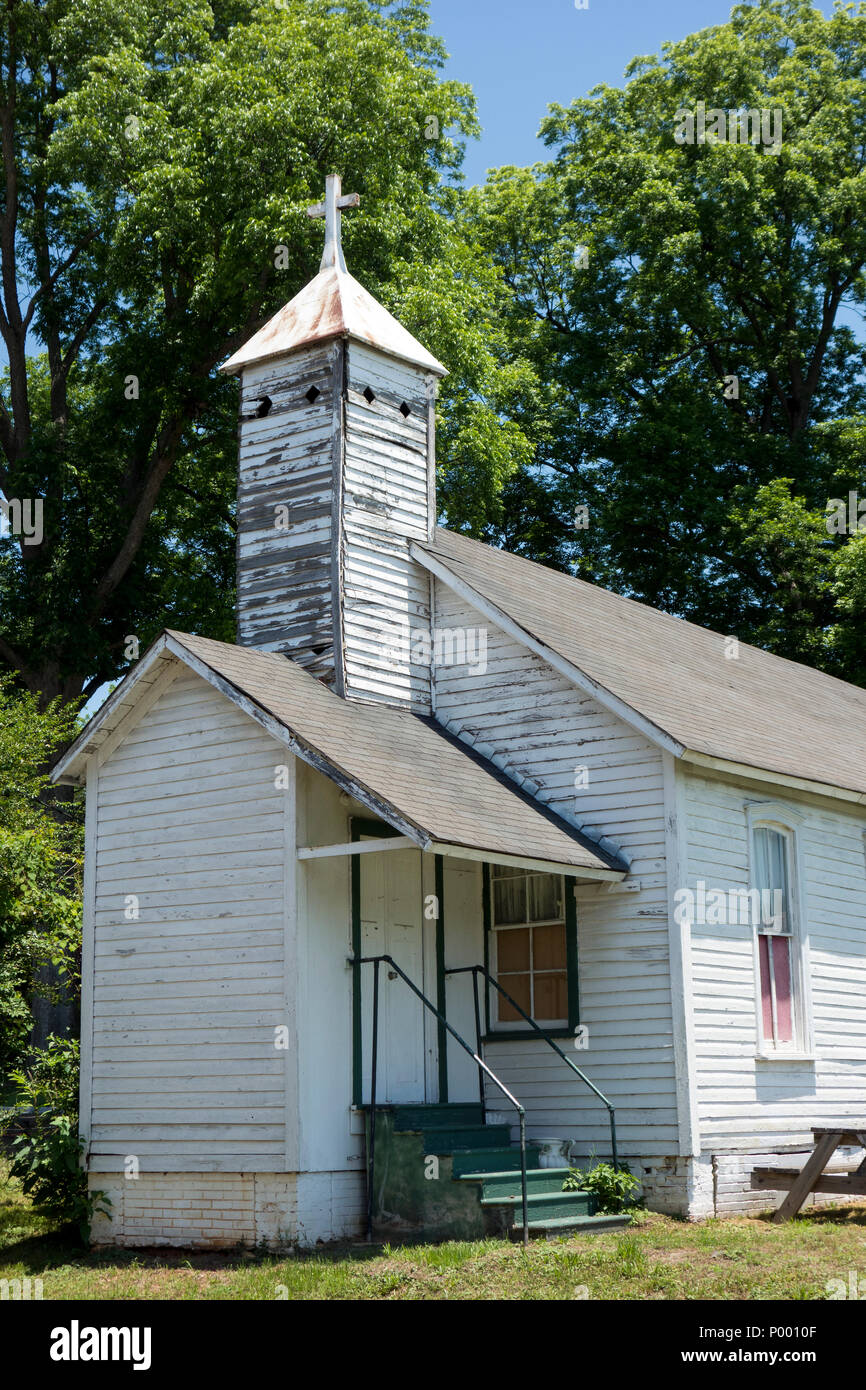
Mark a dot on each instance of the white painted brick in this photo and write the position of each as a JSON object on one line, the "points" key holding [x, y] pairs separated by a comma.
{"points": [[222, 1209]]}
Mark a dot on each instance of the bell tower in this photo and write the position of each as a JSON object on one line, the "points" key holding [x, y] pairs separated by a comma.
{"points": [[336, 477]]}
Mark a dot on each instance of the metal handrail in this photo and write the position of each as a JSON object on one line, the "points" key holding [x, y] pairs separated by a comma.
{"points": [[480, 969], [376, 961]]}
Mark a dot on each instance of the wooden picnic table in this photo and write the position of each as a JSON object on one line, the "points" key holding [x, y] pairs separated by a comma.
{"points": [[811, 1177]]}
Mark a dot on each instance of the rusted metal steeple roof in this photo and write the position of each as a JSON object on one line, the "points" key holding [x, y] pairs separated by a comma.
{"points": [[332, 305]]}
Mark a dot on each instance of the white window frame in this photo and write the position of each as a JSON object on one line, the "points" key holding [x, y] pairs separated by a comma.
{"points": [[786, 821], [518, 1024]]}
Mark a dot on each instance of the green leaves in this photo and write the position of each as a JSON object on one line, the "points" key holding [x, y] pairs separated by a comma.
{"points": [[40, 866], [681, 305], [614, 1188], [162, 154], [47, 1159]]}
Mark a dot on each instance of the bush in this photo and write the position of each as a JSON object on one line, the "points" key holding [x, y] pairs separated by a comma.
{"points": [[40, 870], [16, 1019], [47, 1161], [614, 1188]]}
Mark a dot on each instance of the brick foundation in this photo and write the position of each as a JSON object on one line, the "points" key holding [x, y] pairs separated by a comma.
{"points": [[721, 1184], [677, 1186], [733, 1180], [219, 1210]]}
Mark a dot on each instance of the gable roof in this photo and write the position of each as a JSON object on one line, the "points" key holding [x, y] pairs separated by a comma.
{"points": [[758, 710], [404, 767], [332, 305]]}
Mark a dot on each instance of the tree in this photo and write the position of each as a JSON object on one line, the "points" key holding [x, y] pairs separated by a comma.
{"points": [[40, 869], [157, 162], [680, 302]]}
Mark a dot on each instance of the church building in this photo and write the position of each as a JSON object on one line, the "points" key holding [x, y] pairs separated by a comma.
{"points": [[454, 871]]}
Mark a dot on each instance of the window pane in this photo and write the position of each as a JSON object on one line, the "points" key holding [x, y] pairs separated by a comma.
{"points": [[509, 900], [548, 948], [781, 948], [766, 996], [551, 996], [512, 949], [771, 878], [518, 988], [545, 892], [780, 982]]}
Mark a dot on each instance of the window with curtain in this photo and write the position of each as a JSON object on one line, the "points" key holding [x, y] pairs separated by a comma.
{"points": [[529, 947], [772, 849]]}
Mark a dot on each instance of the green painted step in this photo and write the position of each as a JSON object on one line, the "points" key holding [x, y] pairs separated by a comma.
{"points": [[570, 1226], [507, 1183], [411, 1117], [445, 1140], [544, 1206], [480, 1162]]}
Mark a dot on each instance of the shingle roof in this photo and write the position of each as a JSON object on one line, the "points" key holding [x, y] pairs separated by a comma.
{"points": [[332, 305], [757, 709], [410, 770]]}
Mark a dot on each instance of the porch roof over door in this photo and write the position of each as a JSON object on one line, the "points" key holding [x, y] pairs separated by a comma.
{"points": [[410, 772]]}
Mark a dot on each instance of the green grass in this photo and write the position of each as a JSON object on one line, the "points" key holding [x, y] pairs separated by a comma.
{"points": [[656, 1258]]}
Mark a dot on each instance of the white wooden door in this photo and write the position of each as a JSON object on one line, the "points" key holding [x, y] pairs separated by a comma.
{"points": [[391, 917]]}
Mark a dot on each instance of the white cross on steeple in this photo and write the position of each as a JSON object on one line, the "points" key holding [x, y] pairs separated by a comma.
{"points": [[331, 210]]}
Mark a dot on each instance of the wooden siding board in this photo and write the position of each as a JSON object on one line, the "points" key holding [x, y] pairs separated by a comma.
{"points": [[739, 714], [744, 1100], [386, 503], [88, 952], [537, 726], [193, 989], [285, 576]]}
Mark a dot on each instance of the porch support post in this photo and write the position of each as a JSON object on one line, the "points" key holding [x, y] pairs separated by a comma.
{"points": [[357, 1062], [357, 1058], [359, 826], [442, 1035]]}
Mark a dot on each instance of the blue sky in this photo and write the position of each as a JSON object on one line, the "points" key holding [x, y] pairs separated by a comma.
{"points": [[519, 57]]}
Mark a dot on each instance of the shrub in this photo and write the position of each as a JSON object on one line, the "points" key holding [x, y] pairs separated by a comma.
{"points": [[614, 1188], [40, 870], [47, 1161]]}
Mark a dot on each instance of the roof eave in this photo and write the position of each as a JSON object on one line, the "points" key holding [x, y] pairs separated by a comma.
{"points": [[72, 767], [755, 773], [521, 861], [639, 722], [238, 363], [660, 737]]}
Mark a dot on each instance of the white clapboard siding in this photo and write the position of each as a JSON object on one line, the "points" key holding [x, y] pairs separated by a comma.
{"points": [[539, 729], [187, 995], [287, 458], [743, 1101], [336, 589], [386, 504]]}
